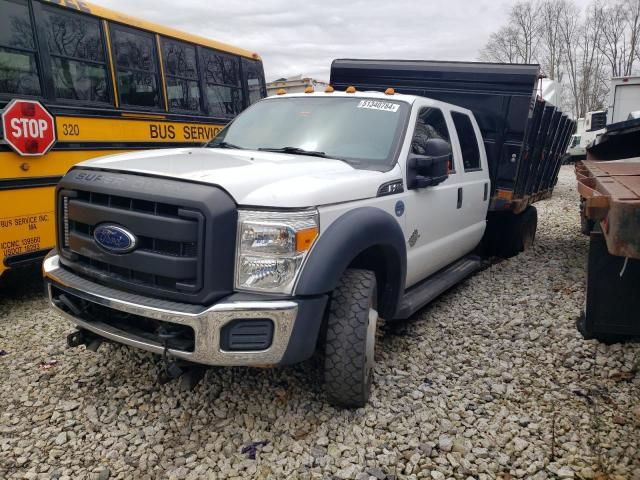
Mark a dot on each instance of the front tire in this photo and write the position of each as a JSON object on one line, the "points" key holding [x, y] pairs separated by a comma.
{"points": [[350, 341]]}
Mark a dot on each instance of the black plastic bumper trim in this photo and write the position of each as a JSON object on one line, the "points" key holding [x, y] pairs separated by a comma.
{"points": [[25, 259], [30, 182]]}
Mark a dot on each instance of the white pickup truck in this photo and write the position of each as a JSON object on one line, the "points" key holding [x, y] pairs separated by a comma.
{"points": [[303, 222]]}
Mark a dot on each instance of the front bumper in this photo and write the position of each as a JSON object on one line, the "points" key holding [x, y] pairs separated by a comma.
{"points": [[295, 322]]}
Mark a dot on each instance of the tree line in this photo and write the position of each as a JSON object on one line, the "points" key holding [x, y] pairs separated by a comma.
{"points": [[582, 49]]}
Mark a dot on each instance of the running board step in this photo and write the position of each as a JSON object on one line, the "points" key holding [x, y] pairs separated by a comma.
{"points": [[423, 293]]}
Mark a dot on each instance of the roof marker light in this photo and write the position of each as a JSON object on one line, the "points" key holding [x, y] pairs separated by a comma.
{"points": [[329, 89], [351, 89], [389, 91], [281, 91], [309, 89]]}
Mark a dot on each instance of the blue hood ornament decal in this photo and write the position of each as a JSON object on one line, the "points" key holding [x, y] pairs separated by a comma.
{"points": [[114, 238]]}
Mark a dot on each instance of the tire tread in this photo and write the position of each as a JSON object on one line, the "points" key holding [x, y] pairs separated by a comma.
{"points": [[345, 344]]}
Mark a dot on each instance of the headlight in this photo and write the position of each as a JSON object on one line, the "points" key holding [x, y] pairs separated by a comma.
{"points": [[271, 248]]}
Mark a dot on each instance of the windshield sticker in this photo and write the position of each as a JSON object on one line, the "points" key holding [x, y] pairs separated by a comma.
{"points": [[379, 105]]}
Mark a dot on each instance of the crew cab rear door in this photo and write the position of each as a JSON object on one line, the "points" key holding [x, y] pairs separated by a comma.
{"points": [[474, 186]]}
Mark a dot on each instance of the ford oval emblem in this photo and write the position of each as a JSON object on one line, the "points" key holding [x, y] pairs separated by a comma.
{"points": [[114, 238]]}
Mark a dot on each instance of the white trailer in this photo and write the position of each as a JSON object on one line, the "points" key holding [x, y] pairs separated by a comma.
{"points": [[624, 99]]}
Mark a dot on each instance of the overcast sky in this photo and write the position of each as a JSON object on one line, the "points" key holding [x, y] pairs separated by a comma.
{"points": [[302, 38]]}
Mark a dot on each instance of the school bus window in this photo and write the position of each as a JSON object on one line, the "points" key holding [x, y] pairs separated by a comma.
{"points": [[77, 56], [136, 67], [222, 83], [255, 80], [18, 68], [183, 90]]}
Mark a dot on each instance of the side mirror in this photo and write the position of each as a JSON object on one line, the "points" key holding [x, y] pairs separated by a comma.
{"points": [[429, 169]]}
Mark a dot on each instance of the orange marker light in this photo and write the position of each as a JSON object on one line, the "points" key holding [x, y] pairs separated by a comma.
{"points": [[305, 238], [329, 89], [389, 91], [281, 91], [505, 194], [351, 89], [309, 89]]}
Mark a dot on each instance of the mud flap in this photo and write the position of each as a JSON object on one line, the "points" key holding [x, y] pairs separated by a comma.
{"points": [[508, 234]]}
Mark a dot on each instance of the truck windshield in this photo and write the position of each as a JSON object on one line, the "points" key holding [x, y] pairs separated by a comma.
{"points": [[363, 132]]}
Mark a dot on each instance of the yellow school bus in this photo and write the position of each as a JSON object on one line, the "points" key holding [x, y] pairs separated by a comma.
{"points": [[78, 81]]}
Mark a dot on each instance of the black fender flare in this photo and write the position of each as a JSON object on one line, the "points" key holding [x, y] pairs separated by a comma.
{"points": [[347, 237]]}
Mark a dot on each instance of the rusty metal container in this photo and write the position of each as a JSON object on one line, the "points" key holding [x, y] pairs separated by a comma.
{"points": [[609, 187]]}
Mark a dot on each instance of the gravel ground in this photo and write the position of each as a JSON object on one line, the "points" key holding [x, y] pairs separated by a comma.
{"points": [[490, 381]]}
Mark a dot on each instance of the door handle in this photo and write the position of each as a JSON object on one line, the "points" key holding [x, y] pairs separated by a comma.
{"points": [[459, 197], [486, 192]]}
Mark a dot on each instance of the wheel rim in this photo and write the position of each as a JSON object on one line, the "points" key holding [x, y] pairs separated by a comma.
{"points": [[371, 344]]}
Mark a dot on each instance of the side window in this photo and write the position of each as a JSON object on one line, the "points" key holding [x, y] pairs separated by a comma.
{"points": [[181, 71], [18, 68], [136, 66], [430, 124], [255, 80], [468, 141], [221, 72], [78, 61]]}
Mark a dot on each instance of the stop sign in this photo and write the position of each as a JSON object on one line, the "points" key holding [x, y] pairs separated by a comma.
{"points": [[28, 127]]}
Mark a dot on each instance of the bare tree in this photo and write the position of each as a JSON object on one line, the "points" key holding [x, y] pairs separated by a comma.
{"points": [[552, 49], [613, 41], [585, 66], [582, 49], [518, 41], [502, 46], [524, 19], [633, 25], [569, 30]]}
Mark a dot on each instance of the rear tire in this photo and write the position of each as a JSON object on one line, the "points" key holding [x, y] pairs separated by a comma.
{"points": [[350, 341]]}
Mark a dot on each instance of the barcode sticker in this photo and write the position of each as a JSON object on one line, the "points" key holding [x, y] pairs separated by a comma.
{"points": [[379, 105]]}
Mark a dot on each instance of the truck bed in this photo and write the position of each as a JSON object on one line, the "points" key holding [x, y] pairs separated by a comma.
{"points": [[524, 136], [612, 195]]}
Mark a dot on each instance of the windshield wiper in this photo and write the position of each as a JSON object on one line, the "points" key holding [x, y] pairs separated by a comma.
{"points": [[225, 145], [296, 151], [311, 153]]}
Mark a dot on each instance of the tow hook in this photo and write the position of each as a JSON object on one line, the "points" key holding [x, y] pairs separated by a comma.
{"points": [[170, 369], [83, 337], [189, 373]]}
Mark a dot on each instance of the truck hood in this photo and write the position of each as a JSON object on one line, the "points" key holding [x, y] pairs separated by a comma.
{"points": [[256, 178]]}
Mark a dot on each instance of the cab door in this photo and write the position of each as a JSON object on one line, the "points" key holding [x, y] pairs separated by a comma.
{"points": [[474, 187], [433, 215]]}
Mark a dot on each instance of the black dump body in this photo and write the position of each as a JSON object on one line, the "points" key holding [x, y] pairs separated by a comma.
{"points": [[525, 138], [619, 140]]}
